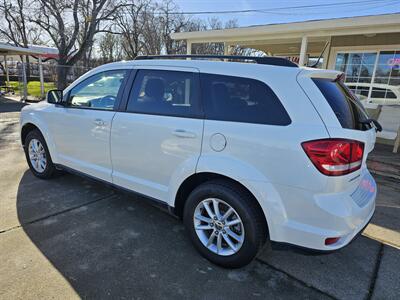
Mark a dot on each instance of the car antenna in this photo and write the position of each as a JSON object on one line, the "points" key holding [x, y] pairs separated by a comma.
{"points": [[320, 56]]}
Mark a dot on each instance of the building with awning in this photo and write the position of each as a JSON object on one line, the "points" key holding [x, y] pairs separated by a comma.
{"points": [[366, 49], [38, 52]]}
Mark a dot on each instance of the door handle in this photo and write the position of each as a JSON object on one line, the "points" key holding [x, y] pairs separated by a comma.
{"points": [[184, 134], [99, 122]]}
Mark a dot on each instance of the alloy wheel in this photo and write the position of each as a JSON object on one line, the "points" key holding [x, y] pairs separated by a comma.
{"points": [[37, 155], [218, 226]]}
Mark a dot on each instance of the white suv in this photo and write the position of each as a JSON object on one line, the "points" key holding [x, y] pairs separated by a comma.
{"points": [[243, 153]]}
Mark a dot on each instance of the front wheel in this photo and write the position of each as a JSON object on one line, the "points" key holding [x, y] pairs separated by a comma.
{"points": [[225, 223], [38, 156]]}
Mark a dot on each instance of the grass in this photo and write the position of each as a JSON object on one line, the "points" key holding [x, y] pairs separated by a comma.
{"points": [[33, 87]]}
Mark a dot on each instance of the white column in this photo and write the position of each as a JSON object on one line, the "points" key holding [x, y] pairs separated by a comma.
{"points": [[227, 49], [303, 51], [25, 81], [6, 68], [41, 78], [188, 47]]}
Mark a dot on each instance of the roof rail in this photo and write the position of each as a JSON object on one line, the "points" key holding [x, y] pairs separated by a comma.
{"points": [[264, 60]]}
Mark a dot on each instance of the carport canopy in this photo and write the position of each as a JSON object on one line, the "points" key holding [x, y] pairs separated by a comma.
{"points": [[8, 50]]}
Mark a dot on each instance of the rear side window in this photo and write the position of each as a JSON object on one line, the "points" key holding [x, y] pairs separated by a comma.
{"points": [[348, 110], [229, 98], [169, 93]]}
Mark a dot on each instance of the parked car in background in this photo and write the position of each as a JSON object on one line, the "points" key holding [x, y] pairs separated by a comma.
{"points": [[246, 154], [382, 94]]}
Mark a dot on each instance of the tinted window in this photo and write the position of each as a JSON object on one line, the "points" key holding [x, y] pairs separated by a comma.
{"points": [[99, 91], [159, 92], [346, 107], [239, 99]]}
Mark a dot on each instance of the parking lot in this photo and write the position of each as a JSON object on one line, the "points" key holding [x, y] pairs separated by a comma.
{"points": [[74, 238]]}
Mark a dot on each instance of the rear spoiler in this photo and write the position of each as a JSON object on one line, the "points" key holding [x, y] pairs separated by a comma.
{"points": [[320, 73]]}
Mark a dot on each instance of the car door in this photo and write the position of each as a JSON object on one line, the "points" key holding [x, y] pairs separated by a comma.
{"points": [[157, 139], [81, 128]]}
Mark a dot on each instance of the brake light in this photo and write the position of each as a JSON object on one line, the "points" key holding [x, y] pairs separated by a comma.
{"points": [[334, 157]]}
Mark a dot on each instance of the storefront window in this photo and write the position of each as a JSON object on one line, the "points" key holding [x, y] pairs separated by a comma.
{"points": [[373, 76]]}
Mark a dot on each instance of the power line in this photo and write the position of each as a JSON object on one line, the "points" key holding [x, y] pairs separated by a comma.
{"points": [[273, 10], [280, 10]]}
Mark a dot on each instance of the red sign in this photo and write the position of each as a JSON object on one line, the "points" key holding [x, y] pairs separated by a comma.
{"points": [[393, 61]]}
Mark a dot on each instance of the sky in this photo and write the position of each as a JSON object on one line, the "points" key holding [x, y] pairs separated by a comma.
{"points": [[283, 14]]}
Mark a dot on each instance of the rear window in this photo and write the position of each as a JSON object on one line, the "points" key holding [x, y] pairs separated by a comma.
{"points": [[344, 104], [237, 99]]}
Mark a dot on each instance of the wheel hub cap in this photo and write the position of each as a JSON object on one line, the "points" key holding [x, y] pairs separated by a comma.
{"points": [[37, 155], [218, 226]]}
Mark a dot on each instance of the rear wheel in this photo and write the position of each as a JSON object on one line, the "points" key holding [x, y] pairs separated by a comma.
{"points": [[224, 223], [38, 156]]}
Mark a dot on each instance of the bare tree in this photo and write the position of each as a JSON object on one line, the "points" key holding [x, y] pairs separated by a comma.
{"points": [[170, 22], [152, 34], [209, 48], [218, 48], [145, 27], [110, 48], [131, 24], [232, 23], [16, 28], [72, 26]]}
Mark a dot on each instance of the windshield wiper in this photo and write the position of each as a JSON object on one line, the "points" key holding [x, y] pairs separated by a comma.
{"points": [[378, 127]]}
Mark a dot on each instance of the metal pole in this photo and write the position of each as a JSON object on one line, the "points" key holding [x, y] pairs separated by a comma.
{"points": [[41, 78], [25, 81], [6, 68], [327, 53]]}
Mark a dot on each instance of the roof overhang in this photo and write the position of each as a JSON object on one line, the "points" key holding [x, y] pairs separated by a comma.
{"points": [[7, 49], [319, 28]]}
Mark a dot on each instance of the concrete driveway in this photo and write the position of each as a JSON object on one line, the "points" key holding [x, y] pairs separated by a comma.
{"points": [[73, 238]]}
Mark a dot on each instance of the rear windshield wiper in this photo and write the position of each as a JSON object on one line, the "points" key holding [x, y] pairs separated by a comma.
{"points": [[378, 127]]}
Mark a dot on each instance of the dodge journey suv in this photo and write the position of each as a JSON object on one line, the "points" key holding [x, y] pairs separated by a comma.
{"points": [[245, 153]]}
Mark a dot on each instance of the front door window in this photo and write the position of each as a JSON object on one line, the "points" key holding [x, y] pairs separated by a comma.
{"points": [[99, 91]]}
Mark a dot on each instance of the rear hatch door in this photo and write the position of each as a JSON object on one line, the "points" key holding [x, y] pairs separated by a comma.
{"points": [[343, 115]]}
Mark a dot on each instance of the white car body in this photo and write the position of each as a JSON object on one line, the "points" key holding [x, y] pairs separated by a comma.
{"points": [[154, 154]]}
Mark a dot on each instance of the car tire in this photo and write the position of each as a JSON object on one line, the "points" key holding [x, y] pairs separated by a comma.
{"points": [[36, 146], [249, 229]]}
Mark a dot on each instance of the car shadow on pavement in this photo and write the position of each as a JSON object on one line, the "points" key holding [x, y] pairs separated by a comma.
{"points": [[105, 243]]}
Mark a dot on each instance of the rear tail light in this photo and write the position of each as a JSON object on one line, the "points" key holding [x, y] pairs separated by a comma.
{"points": [[334, 157]]}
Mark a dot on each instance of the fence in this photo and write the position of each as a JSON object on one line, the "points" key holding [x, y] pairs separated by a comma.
{"points": [[25, 78]]}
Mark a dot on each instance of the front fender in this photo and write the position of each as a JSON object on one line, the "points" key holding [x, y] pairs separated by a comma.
{"points": [[31, 117]]}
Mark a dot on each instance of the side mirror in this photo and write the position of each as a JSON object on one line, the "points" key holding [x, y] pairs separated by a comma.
{"points": [[54, 96]]}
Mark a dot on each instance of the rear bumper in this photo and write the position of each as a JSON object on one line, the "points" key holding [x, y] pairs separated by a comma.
{"points": [[307, 219], [282, 246]]}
